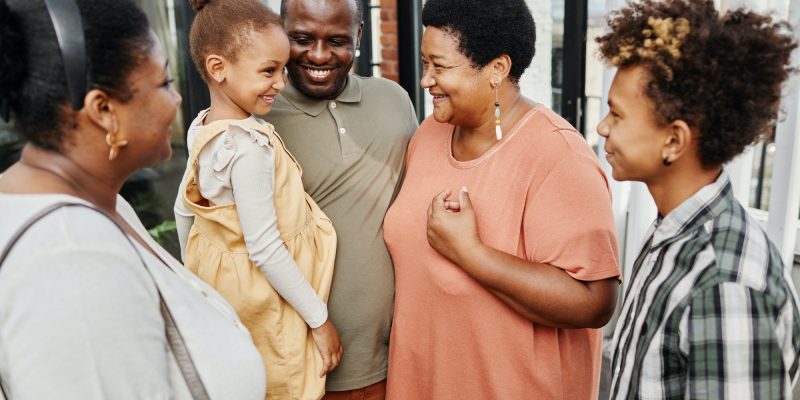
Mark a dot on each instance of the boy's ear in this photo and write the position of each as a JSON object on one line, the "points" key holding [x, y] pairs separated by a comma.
{"points": [[679, 140], [215, 68]]}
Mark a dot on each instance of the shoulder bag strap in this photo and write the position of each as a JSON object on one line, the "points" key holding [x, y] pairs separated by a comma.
{"points": [[173, 335]]}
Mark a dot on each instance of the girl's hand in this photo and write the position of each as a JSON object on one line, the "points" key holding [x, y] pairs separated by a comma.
{"points": [[452, 225], [327, 341]]}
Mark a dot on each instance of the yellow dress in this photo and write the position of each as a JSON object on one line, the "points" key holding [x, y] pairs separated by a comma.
{"points": [[216, 252]]}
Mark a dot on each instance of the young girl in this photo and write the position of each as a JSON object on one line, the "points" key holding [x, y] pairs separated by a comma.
{"points": [[255, 235], [710, 311]]}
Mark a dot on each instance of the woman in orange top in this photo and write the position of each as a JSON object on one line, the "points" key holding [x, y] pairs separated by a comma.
{"points": [[500, 290]]}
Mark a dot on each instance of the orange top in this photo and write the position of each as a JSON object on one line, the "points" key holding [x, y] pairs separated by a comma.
{"points": [[540, 194]]}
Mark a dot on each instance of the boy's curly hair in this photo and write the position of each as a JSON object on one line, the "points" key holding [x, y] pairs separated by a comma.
{"points": [[722, 75]]}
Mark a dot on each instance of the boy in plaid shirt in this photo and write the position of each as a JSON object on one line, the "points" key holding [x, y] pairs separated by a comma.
{"points": [[709, 312]]}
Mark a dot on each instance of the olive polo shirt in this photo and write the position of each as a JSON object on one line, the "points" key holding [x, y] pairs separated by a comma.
{"points": [[351, 151]]}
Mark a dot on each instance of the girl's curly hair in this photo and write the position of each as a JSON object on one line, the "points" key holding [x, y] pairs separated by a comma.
{"points": [[722, 75]]}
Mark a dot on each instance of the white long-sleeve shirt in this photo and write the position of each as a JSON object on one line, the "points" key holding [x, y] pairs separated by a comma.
{"points": [[80, 319], [238, 167]]}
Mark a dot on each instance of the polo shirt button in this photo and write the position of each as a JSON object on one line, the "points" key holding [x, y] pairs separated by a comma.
{"points": [[333, 104], [342, 131]]}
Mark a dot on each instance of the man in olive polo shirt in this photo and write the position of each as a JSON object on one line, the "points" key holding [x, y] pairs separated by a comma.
{"points": [[349, 135]]}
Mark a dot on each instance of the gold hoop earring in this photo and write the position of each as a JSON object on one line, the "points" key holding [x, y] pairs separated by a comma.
{"points": [[498, 131], [114, 143]]}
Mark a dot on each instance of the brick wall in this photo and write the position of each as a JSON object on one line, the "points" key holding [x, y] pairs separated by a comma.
{"points": [[389, 66]]}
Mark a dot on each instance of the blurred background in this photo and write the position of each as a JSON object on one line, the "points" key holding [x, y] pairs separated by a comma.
{"points": [[565, 75]]}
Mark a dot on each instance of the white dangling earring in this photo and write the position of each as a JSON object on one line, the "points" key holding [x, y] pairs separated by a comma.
{"points": [[498, 131]]}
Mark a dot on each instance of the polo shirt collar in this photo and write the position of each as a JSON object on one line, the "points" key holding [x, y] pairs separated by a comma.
{"points": [[703, 206], [313, 107]]}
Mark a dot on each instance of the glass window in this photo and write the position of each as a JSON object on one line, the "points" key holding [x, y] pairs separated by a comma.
{"points": [[152, 191], [595, 27], [374, 11]]}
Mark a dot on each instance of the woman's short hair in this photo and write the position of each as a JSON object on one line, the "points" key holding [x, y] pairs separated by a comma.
{"points": [[722, 75], [486, 30], [32, 76]]}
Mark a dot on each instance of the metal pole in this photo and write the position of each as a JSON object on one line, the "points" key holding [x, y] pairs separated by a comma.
{"points": [[574, 65], [761, 175], [364, 60], [409, 37]]}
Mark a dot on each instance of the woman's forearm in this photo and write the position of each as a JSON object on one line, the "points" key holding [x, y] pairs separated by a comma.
{"points": [[541, 293]]}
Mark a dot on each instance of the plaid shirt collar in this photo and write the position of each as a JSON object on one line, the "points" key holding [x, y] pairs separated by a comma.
{"points": [[703, 206]]}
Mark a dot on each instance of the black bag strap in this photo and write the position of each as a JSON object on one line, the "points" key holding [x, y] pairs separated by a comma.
{"points": [[173, 335]]}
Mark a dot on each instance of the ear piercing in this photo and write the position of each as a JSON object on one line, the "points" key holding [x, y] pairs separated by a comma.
{"points": [[498, 131], [114, 143]]}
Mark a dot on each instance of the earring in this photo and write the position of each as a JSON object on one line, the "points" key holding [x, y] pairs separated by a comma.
{"points": [[666, 160], [114, 143], [498, 131]]}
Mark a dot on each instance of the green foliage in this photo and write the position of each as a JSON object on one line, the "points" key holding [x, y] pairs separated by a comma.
{"points": [[166, 234], [161, 231]]}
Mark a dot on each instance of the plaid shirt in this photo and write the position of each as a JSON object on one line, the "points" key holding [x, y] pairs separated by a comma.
{"points": [[709, 312]]}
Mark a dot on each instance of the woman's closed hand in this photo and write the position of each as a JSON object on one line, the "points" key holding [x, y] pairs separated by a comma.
{"points": [[327, 340], [452, 225]]}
